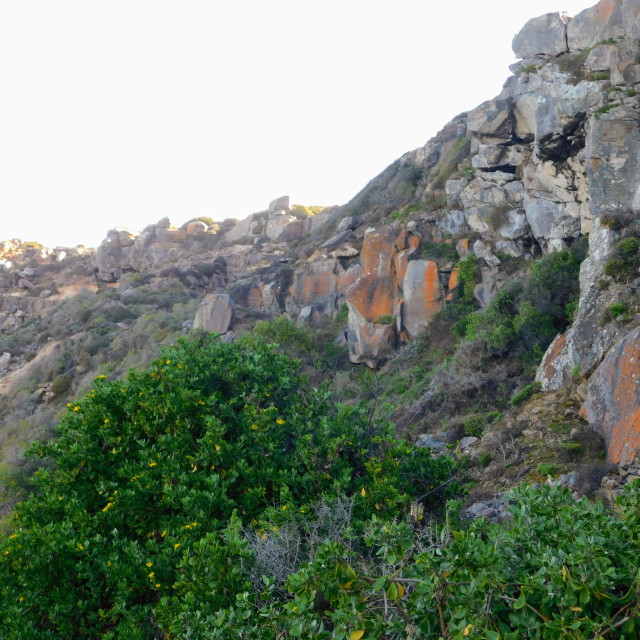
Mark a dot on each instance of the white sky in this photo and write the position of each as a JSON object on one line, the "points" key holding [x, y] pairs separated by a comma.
{"points": [[120, 113]]}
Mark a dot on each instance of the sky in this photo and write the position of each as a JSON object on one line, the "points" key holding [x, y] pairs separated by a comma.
{"points": [[120, 113]]}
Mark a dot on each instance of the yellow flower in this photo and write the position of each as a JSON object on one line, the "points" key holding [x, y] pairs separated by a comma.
{"points": [[176, 545], [149, 564], [109, 505], [76, 408], [254, 427], [21, 598], [467, 630], [68, 404], [106, 420], [284, 507], [153, 573], [217, 447], [59, 497], [152, 464], [168, 362], [80, 547], [363, 492], [157, 585], [279, 421], [163, 534]]}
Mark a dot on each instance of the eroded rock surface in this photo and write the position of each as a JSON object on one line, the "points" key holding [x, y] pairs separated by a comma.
{"points": [[613, 401]]}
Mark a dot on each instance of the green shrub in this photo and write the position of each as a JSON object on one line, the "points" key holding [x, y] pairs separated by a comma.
{"points": [[385, 319], [525, 393], [61, 384], [438, 250], [474, 425], [545, 469], [161, 480], [625, 260], [617, 309]]}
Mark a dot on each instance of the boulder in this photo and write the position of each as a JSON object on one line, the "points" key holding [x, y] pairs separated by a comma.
{"points": [[316, 284], [601, 58], [375, 292], [279, 204], [278, 221], [609, 19], [369, 343], [214, 313], [432, 442], [613, 400], [197, 228], [422, 295], [490, 119], [454, 222], [613, 161], [546, 35], [373, 297], [516, 226]]}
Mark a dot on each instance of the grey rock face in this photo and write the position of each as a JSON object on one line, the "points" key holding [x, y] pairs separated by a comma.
{"points": [[454, 222], [546, 34], [214, 313], [608, 19], [613, 161], [279, 204], [585, 343], [490, 119]]}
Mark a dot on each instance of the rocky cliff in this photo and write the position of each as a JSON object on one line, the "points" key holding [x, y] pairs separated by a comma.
{"points": [[554, 158]]}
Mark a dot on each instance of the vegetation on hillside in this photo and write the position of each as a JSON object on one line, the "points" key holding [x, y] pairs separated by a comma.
{"points": [[216, 495], [163, 481]]}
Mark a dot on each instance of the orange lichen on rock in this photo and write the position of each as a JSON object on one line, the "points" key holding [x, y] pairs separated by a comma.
{"points": [[375, 292], [316, 283], [422, 295], [401, 242], [348, 277], [548, 365], [373, 297], [613, 400]]}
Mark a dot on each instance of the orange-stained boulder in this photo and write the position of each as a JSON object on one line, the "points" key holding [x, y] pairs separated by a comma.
{"points": [[372, 297], [348, 277], [422, 295], [375, 292], [551, 369], [369, 342], [613, 400], [401, 240], [377, 251], [316, 284]]}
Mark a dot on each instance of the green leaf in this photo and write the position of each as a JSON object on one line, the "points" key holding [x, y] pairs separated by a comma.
{"points": [[296, 630], [379, 584], [520, 602]]}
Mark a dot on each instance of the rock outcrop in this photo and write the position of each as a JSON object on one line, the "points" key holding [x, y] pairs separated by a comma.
{"points": [[553, 157], [214, 313], [613, 402]]}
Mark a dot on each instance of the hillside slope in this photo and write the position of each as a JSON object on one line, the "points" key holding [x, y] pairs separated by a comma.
{"points": [[433, 263]]}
